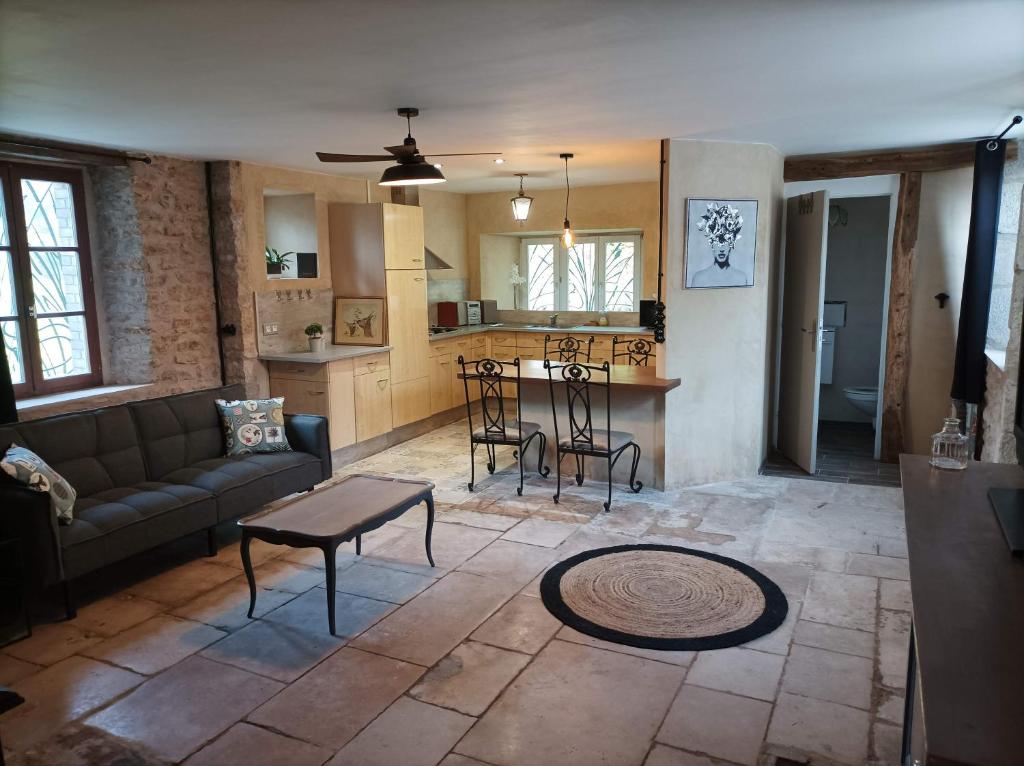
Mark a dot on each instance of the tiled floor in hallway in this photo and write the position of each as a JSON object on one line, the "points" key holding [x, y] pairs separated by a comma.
{"points": [[461, 665]]}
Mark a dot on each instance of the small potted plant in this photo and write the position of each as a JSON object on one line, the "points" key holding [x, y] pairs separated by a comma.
{"points": [[315, 333], [276, 263]]}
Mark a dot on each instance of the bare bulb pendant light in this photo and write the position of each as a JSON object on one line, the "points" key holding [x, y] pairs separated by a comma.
{"points": [[521, 203], [567, 235]]}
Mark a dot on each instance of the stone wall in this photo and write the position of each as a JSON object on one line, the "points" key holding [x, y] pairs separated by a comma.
{"points": [[154, 282]]}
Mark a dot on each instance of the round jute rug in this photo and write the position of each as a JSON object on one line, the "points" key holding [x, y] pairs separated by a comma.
{"points": [[663, 597]]}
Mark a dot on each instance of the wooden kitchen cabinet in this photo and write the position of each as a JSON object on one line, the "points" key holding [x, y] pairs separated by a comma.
{"points": [[373, 402], [319, 389], [403, 236], [408, 330], [367, 238], [410, 400], [440, 383]]}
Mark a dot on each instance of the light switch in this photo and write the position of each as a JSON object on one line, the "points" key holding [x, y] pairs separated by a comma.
{"points": [[270, 328]]}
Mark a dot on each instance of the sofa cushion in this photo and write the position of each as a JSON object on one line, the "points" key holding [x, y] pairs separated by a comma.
{"points": [[253, 426], [243, 483], [94, 450], [26, 467], [180, 431], [122, 521]]}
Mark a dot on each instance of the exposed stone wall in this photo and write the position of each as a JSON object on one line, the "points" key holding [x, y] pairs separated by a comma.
{"points": [[119, 266], [1001, 383], [151, 255]]}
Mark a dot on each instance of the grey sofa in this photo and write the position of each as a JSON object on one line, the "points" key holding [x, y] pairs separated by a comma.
{"points": [[147, 473]]}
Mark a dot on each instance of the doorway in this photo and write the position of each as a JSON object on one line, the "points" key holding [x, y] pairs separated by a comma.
{"points": [[831, 355]]}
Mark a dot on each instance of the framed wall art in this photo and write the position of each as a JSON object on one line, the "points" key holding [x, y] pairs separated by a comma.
{"points": [[721, 237], [360, 322]]}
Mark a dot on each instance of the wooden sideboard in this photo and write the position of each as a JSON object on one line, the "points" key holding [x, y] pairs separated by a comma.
{"points": [[965, 690]]}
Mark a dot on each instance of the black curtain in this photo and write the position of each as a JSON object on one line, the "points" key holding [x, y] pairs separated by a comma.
{"points": [[969, 368], [8, 412]]}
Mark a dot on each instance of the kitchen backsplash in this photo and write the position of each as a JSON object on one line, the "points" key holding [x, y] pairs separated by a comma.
{"points": [[447, 290], [292, 311]]}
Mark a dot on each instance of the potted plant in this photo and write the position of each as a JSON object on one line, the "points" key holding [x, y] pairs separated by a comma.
{"points": [[276, 263], [315, 333]]}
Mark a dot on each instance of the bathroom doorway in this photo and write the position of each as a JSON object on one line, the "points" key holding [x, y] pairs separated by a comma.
{"points": [[848, 340]]}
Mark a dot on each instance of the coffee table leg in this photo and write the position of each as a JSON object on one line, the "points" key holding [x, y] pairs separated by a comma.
{"points": [[332, 576], [247, 565], [429, 500]]}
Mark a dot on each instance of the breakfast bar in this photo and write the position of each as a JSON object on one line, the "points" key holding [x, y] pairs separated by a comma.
{"points": [[637, 406]]}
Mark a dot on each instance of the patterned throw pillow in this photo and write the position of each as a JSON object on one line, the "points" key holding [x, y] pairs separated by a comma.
{"points": [[26, 467], [253, 425]]}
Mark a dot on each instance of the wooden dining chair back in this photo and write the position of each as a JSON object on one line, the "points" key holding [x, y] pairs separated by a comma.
{"points": [[498, 382], [568, 349], [587, 394], [634, 351]]}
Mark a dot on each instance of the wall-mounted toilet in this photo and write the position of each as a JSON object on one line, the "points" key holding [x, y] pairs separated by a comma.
{"points": [[864, 398]]}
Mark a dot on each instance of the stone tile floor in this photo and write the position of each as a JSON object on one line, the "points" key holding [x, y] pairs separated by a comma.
{"points": [[845, 455], [461, 665]]}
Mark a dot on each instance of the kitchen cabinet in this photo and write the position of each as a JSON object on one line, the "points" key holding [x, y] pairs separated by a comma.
{"points": [[372, 398], [410, 400], [319, 389], [408, 332], [366, 239], [440, 383]]}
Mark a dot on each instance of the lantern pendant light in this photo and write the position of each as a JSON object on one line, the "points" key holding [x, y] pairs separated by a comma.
{"points": [[521, 203], [567, 235]]}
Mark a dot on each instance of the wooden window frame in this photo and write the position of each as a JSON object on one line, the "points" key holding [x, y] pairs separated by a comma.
{"points": [[11, 175]]}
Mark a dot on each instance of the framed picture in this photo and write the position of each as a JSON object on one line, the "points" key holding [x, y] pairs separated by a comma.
{"points": [[360, 322], [721, 236]]}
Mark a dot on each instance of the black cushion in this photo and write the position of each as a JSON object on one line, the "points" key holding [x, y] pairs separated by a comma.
{"points": [[180, 431], [94, 450]]}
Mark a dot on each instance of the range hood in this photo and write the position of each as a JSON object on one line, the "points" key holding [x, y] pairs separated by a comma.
{"points": [[431, 260]]}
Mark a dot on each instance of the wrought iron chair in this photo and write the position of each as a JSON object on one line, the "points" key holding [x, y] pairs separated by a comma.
{"points": [[636, 352], [568, 349], [584, 438], [497, 428]]}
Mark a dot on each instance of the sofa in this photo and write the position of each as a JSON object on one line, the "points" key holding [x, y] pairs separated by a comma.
{"points": [[146, 473]]}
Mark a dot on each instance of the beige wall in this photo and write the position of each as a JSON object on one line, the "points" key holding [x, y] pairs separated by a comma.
{"points": [[939, 268], [444, 231], [718, 341], [597, 208], [326, 188], [502, 253]]}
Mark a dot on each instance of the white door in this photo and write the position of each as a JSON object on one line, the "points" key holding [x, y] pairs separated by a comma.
{"points": [[803, 302]]}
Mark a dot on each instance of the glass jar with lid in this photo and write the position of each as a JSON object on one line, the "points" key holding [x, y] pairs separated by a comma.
{"points": [[949, 446]]}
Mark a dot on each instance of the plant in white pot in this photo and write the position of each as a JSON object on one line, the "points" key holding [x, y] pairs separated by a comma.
{"points": [[315, 333]]}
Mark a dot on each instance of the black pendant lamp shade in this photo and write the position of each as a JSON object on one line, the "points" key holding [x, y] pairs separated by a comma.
{"points": [[416, 173]]}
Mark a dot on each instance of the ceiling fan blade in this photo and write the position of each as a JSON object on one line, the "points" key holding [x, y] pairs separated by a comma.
{"points": [[462, 154], [402, 150], [329, 157]]}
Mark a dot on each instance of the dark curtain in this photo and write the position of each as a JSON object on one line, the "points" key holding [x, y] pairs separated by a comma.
{"points": [[969, 368], [8, 412]]}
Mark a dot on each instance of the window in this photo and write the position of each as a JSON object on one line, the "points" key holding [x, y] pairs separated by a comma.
{"points": [[599, 273], [47, 305]]}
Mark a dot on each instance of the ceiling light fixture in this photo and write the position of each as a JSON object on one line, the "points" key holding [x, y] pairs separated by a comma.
{"points": [[499, 160], [567, 235], [521, 203], [412, 173]]}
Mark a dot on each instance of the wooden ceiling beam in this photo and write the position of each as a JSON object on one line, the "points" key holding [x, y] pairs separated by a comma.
{"points": [[926, 159]]}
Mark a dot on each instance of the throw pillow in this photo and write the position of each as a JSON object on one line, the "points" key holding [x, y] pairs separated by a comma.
{"points": [[253, 425], [26, 467]]}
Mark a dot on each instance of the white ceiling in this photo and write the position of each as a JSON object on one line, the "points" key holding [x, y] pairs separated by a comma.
{"points": [[272, 81]]}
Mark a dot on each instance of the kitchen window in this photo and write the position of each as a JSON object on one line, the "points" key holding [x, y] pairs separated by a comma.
{"points": [[47, 301], [598, 273]]}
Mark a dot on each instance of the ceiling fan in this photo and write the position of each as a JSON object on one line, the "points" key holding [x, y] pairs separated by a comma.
{"points": [[412, 167]]}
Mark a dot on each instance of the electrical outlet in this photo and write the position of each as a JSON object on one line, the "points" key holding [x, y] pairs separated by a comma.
{"points": [[270, 328]]}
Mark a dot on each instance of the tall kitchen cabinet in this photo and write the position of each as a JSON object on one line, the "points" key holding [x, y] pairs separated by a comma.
{"points": [[377, 251]]}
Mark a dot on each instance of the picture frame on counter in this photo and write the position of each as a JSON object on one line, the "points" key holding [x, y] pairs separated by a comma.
{"points": [[360, 321]]}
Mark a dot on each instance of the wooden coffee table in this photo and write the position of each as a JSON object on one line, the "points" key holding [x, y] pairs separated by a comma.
{"points": [[329, 517]]}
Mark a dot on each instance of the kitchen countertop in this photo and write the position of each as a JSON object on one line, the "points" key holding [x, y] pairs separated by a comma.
{"points": [[514, 327], [329, 354]]}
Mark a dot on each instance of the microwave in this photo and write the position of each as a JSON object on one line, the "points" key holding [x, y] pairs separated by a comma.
{"points": [[458, 313]]}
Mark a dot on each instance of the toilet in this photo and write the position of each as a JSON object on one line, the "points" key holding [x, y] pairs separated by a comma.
{"points": [[864, 398]]}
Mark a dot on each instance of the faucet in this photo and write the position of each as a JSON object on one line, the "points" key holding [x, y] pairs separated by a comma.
{"points": [[553, 320]]}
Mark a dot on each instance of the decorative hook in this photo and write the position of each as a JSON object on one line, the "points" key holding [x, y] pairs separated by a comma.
{"points": [[942, 298]]}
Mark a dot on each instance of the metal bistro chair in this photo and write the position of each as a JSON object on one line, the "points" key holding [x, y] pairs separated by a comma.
{"points": [[584, 438], [636, 352], [497, 429], [568, 349]]}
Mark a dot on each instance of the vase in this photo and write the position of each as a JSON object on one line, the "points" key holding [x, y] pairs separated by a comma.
{"points": [[316, 344]]}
